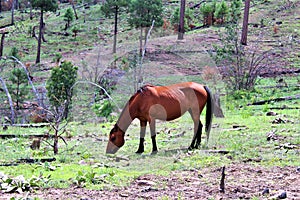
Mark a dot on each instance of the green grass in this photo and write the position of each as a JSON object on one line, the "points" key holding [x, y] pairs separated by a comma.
{"points": [[85, 150]]}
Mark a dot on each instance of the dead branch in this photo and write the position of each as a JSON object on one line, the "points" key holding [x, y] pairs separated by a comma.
{"points": [[280, 86], [220, 151], [28, 160], [8, 136], [287, 98], [39, 125], [33, 33], [284, 108], [9, 100], [34, 160]]}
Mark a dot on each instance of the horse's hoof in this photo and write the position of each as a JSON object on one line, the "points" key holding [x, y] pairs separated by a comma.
{"points": [[139, 152], [190, 148], [154, 152]]}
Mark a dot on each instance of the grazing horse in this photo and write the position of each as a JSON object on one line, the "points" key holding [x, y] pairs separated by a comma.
{"points": [[163, 103]]}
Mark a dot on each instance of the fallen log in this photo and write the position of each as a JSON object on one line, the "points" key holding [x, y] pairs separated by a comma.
{"points": [[38, 125], [35, 160], [28, 161], [217, 151], [279, 86], [275, 100], [284, 108], [8, 136]]}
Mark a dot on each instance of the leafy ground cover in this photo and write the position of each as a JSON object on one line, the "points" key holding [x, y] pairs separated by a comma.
{"points": [[261, 149], [261, 142]]}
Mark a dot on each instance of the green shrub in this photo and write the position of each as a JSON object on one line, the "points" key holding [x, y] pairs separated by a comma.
{"points": [[18, 87], [103, 109], [59, 86], [221, 11], [68, 17]]}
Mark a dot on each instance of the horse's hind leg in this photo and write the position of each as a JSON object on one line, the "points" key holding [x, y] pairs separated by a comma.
{"points": [[143, 125], [197, 130], [198, 135]]}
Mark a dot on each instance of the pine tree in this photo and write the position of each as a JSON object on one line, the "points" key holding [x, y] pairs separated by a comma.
{"points": [[59, 87], [113, 7], [142, 14], [44, 6], [18, 87], [68, 17]]}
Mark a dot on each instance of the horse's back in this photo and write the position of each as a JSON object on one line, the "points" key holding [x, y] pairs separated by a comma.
{"points": [[190, 88], [178, 98]]}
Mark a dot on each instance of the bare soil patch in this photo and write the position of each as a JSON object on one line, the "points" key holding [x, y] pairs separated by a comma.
{"points": [[242, 181]]}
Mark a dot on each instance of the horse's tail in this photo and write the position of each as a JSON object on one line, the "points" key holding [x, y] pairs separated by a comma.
{"points": [[209, 111]]}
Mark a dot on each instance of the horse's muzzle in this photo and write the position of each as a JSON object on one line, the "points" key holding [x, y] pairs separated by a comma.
{"points": [[111, 148]]}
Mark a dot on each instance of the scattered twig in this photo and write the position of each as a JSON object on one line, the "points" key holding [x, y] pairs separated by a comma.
{"points": [[106, 93]]}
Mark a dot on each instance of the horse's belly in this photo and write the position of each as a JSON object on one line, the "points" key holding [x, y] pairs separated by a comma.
{"points": [[165, 113]]}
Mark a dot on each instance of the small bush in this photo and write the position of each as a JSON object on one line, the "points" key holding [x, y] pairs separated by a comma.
{"points": [[68, 17], [103, 109], [207, 10], [221, 12], [59, 86]]}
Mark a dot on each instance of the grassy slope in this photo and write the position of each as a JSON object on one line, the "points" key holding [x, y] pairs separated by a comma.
{"points": [[248, 144]]}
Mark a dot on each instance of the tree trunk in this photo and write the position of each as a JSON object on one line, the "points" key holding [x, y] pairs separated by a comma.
{"points": [[38, 56], [141, 41], [2, 43], [17, 5], [218, 112], [181, 20], [31, 14], [55, 144], [245, 23], [12, 12], [116, 29]]}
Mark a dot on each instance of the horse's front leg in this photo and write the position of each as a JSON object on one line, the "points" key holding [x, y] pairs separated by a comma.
{"points": [[153, 136], [143, 125]]}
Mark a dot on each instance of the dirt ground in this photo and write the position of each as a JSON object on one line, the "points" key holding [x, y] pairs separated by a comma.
{"points": [[242, 181]]}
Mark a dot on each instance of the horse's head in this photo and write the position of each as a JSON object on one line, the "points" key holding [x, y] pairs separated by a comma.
{"points": [[116, 140]]}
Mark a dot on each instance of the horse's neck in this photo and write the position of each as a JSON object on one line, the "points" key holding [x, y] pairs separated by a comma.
{"points": [[125, 119]]}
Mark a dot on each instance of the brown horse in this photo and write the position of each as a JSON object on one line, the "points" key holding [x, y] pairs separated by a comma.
{"points": [[163, 103]]}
